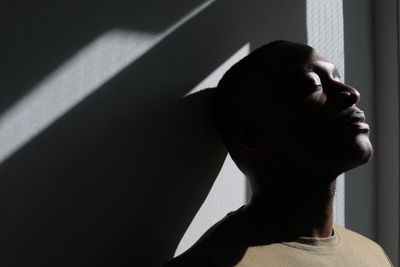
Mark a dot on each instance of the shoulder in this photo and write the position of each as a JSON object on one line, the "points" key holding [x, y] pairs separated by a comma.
{"points": [[361, 244], [352, 238]]}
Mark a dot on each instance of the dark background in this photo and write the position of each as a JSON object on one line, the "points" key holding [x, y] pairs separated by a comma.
{"points": [[119, 177]]}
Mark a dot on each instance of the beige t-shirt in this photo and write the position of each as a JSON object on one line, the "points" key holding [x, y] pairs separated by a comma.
{"points": [[343, 248], [221, 247]]}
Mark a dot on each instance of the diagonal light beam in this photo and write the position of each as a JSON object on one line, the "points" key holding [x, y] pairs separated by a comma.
{"points": [[75, 80]]}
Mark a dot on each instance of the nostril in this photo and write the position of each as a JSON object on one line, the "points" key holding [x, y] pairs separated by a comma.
{"points": [[349, 98], [345, 94]]}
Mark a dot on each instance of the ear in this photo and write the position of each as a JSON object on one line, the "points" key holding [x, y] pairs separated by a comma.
{"points": [[250, 136]]}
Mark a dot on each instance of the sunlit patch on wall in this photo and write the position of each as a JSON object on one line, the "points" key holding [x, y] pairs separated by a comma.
{"points": [[212, 79], [230, 190], [325, 34], [76, 79], [69, 84]]}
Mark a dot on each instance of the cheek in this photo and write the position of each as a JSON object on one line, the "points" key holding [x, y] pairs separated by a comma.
{"points": [[311, 120], [301, 121], [316, 99], [313, 131]]}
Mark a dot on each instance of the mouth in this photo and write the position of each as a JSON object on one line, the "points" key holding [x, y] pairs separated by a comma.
{"points": [[355, 122], [358, 126]]}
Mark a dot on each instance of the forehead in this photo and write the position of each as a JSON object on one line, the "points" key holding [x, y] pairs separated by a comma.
{"points": [[316, 62], [289, 62], [287, 65]]}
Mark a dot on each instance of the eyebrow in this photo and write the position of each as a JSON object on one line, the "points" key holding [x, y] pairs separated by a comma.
{"points": [[317, 66]]}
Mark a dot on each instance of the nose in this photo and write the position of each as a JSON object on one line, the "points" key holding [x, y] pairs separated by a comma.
{"points": [[347, 95]]}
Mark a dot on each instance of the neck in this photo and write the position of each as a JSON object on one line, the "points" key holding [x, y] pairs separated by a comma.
{"points": [[295, 207]]}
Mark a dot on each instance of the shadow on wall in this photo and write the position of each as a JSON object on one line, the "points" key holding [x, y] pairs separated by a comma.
{"points": [[118, 179], [38, 35]]}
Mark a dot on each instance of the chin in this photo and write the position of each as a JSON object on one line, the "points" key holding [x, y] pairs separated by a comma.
{"points": [[360, 152]]}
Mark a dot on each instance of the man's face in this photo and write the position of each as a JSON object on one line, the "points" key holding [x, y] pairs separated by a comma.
{"points": [[317, 121]]}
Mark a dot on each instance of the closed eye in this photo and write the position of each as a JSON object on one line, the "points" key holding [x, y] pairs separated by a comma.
{"points": [[313, 82], [323, 68]]}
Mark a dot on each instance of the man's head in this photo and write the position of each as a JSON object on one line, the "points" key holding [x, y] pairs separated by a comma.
{"points": [[285, 105]]}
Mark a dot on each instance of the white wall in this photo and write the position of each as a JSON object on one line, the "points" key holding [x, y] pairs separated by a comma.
{"points": [[359, 58], [387, 46], [102, 162]]}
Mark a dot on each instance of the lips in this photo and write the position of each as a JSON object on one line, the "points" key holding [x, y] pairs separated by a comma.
{"points": [[358, 126], [355, 117], [354, 120]]}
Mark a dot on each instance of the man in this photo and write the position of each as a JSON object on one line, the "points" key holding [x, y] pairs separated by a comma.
{"points": [[292, 127]]}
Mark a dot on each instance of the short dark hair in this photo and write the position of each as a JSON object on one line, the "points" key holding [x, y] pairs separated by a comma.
{"points": [[241, 84]]}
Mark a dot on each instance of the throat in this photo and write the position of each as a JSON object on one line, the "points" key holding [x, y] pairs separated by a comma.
{"points": [[295, 211]]}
